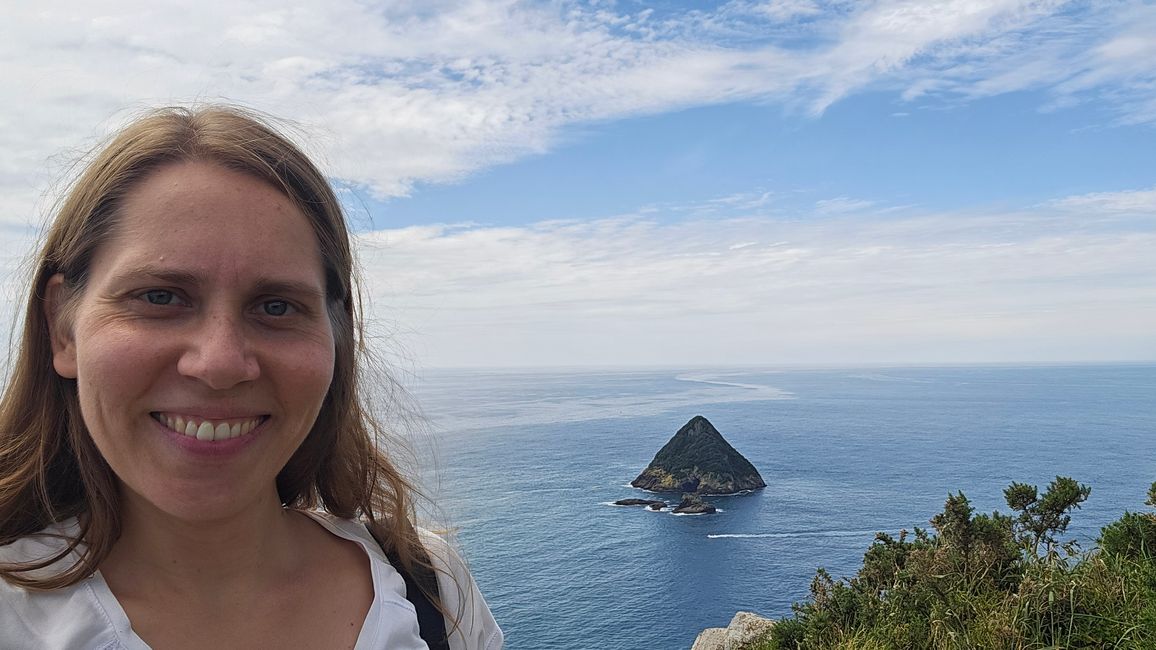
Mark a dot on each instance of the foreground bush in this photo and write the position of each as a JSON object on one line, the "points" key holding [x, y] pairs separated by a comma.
{"points": [[991, 581]]}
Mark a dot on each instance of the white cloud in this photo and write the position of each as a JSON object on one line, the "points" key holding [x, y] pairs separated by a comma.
{"points": [[930, 287], [886, 41], [747, 203], [398, 92], [1077, 52], [840, 205], [405, 92], [783, 10], [1070, 279], [1128, 201]]}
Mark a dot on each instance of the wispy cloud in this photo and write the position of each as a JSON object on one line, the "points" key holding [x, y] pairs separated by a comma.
{"points": [[840, 205], [1076, 52], [1071, 279], [398, 93], [737, 204], [408, 92], [1128, 201], [970, 286], [744, 200]]}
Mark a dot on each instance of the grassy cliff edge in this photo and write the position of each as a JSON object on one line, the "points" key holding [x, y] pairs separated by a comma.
{"points": [[998, 581]]}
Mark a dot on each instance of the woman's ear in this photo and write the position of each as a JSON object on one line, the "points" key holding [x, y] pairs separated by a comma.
{"points": [[59, 328]]}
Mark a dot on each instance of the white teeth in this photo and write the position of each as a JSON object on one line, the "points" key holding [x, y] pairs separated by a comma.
{"points": [[209, 431]]}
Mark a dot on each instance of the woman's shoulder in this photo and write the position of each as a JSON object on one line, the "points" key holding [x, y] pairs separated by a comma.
{"points": [[476, 627], [52, 541], [69, 617], [444, 558]]}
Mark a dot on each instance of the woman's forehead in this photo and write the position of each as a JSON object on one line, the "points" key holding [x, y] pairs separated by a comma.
{"points": [[205, 219]]}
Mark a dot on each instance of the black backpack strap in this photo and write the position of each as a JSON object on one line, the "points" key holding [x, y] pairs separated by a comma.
{"points": [[430, 622]]}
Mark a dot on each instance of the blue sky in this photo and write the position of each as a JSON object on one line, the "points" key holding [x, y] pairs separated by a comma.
{"points": [[999, 151], [691, 184]]}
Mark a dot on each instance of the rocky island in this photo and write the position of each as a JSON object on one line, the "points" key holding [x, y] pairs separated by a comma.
{"points": [[692, 504], [649, 503], [697, 460]]}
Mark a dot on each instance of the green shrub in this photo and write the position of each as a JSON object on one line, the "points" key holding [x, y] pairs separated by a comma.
{"points": [[787, 634], [990, 581], [1133, 536]]}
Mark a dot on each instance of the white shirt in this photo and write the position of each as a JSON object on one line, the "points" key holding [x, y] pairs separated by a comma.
{"points": [[87, 615]]}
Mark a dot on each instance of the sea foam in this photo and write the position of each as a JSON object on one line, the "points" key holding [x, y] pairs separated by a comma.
{"points": [[796, 534]]}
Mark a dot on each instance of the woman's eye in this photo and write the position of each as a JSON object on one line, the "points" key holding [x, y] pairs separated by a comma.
{"points": [[275, 308], [159, 297]]}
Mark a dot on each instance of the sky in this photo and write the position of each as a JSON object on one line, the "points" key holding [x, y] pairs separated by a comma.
{"points": [[620, 183]]}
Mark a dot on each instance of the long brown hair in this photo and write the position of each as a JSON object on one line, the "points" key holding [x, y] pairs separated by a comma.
{"points": [[51, 471]]}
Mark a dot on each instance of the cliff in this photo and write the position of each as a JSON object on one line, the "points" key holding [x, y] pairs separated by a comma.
{"points": [[745, 631], [698, 460]]}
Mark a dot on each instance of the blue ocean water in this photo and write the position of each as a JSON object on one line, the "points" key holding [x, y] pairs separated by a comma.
{"points": [[529, 462]]}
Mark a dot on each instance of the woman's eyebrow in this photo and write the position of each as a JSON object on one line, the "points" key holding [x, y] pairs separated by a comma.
{"points": [[171, 276], [289, 287], [185, 278]]}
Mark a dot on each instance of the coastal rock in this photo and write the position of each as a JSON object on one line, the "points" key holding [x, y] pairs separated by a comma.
{"points": [[650, 503], [712, 638], [692, 504], [698, 460], [746, 630]]}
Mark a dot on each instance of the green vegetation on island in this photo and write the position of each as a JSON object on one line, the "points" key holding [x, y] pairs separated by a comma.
{"points": [[990, 581], [697, 460]]}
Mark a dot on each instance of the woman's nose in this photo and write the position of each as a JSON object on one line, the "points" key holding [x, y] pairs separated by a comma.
{"points": [[219, 354]]}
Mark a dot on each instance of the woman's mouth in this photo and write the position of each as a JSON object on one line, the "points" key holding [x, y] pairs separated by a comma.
{"points": [[206, 430]]}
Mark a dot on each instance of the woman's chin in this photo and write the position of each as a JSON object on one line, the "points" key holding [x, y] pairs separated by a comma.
{"points": [[200, 504]]}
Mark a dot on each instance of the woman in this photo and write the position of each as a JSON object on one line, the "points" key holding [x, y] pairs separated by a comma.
{"points": [[186, 455]]}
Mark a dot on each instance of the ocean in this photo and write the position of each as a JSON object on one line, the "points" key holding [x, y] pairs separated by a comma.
{"points": [[529, 463]]}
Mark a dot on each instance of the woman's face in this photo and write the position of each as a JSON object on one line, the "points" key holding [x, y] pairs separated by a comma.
{"points": [[201, 344]]}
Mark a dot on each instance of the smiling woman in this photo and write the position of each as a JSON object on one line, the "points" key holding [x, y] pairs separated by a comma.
{"points": [[186, 459], [174, 323]]}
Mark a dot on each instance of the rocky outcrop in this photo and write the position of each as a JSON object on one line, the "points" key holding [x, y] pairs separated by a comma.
{"points": [[745, 631], [692, 504], [698, 460], [712, 638], [650, 503]]}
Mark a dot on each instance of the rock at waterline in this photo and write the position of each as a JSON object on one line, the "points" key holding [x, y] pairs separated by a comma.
{"points": [[698, 460], [650, 503], [747, 630], [692, 504]]}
